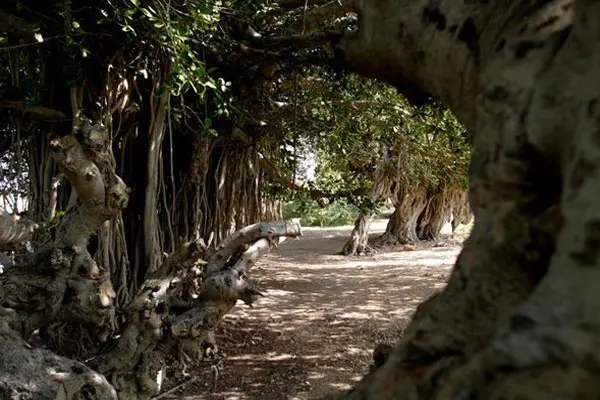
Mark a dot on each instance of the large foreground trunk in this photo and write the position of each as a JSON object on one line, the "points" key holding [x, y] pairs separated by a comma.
{"points": [[519, 317], [402, 225], [358, 242]]}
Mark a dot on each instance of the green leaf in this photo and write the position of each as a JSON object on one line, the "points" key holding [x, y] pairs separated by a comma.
{"points": [[146, 13], [38, 37]]}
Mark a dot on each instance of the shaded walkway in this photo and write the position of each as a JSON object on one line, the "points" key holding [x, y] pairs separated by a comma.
{"points": [[315, 330]]}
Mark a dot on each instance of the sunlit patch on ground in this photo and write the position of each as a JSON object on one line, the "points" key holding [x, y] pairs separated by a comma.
{"points": [[323, 314]]}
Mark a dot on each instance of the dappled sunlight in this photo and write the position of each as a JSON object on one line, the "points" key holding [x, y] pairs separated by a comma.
{"points": [[322, 315]]}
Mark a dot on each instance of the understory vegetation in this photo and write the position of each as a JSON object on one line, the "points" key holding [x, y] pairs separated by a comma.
{"points": [[152, 150], [311, 213]]}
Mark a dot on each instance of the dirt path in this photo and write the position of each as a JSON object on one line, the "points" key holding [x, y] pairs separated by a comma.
{"points": [[315, 330]]}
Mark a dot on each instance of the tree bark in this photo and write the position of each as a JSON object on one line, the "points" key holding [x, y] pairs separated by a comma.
{"points": [[402, 226], [14, 230], [461, 211], [358, 242], [434, 216], [41, 374], [177, 308], [517, 318], [156, 135]]}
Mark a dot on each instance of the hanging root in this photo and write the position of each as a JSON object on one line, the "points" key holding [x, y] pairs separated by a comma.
{"points": [[170, 314]]}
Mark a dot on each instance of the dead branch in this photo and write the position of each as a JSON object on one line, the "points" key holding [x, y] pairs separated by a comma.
{"points": [[247, 235]]}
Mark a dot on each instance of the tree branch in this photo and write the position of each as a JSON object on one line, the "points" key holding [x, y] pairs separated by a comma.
{"points": [[315, 194], [295, 42], [14, 230], [39, 112], [249, 234]]}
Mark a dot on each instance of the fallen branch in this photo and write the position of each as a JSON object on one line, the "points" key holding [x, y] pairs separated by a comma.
{"points": [[249, 235]]}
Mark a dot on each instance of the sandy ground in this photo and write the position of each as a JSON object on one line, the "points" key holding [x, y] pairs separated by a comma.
{"points": [[323, 314]]}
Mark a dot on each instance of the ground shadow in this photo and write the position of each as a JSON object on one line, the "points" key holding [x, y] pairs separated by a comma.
{"points": [[315, 330]]}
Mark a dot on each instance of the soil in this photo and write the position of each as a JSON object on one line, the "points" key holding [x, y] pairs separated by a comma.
{"points": [[322, 315]]}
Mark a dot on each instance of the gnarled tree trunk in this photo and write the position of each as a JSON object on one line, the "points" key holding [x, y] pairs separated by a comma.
{"points": [[358, 242], [402, 225], [434, 216], [519, 317], [177, 307], [461, 211]]}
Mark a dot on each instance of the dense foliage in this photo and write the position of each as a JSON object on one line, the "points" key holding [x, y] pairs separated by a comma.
{"points": [[364, 134], [209, 107]]}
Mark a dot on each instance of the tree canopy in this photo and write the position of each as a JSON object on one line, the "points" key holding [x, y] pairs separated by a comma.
{"points": [[149, 135], [195, 115]]}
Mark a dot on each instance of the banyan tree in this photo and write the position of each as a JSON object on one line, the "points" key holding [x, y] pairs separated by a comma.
{"points": [[427, 180], [422, 171], [518, 315]]}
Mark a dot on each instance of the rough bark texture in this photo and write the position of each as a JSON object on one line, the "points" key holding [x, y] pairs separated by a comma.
{"points": [[177, 308], [461, 211], [40, 374], [434, 216], [61, 281], [520, 316], [358, 242], [402, 226], [14, 230], [182, 303]]}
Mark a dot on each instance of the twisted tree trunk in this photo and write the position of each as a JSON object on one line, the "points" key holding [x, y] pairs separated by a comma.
{"points": [[177, 308], [402, 226], [358, 242], [434, 216], [518, 318]]}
